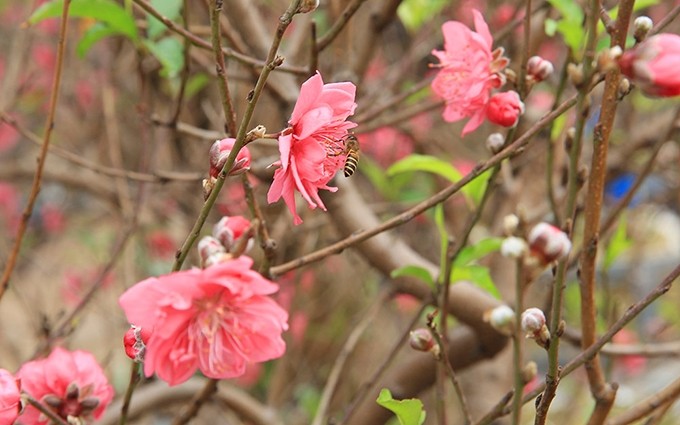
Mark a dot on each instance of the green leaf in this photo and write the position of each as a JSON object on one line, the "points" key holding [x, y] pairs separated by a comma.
{"points": [[376, 175], [478, 275], [408, 412], [557, 127], [415, 13], [169, 8], [418, 272], [550, 27], [570, 26], [93, 34], [479, 250], [618, 243], [106, 11], [427, 163], [474, 191], [195, 84], [170, 53], [439, 221]]}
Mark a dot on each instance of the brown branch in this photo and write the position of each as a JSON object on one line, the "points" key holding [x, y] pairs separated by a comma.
{"points": [[665, 21], [49, 126], [648, 405], [221, 68], [199, 399], [338, 25], [49, 413]]}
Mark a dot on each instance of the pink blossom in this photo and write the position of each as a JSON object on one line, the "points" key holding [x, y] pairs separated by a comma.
{"points": [[504, 109], [216, 320], [548, 243], [160, 244], [653, 65], [134, 341], [386, 144], [71, 382], [469, 71], [219, 152], [8, 136], [9, 397], [310, 149]]}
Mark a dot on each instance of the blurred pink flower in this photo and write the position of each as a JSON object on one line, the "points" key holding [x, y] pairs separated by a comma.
{"points": [[653, 65], [469, 70], [504, 108], [160, 244], [229, 229], [53, 218], [9, 206], [386, 144], [9, 397], [8, 136], [71, 382], [309, 149], [78, 282], [216, 320]]}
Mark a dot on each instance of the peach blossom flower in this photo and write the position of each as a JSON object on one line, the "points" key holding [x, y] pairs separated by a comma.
{"points": [[216, 320], [9, 397], [653, 65], [309, 149], [504, 108], [70, 382], [469, 70]]}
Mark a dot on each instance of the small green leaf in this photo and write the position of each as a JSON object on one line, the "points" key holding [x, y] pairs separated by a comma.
{"points": [[376, 175], [169, 8], [170, 53], [93, 34], [415, 13], [550, 27], [408, 412], [474, 190], [427, 163], [440, 222], [477, 251], [418, 272], [557, 127], [195, 84], [106, 11], [478, 275]]}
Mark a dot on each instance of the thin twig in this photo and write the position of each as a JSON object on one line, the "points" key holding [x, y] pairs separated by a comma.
{"points": [[670, 16], [517, 343], [204, 395], [184, 76], [221, 68], [343, 355], [648, 405], [338, 25], [49, 126], [56, 419], [135, 377]]}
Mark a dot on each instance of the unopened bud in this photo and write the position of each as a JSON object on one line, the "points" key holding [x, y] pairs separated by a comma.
{"points": [[529, 372], [89, 404], [219, 152], [510, 224], [533, 325], [575, 73], [421, 339], [307, 6], [641, 27], [134, 341], [607, 59], [538, 68], [548, 243], [513, 247], [229, 229], [624, 88], [501, 318], [495, 142], [209, 246]]}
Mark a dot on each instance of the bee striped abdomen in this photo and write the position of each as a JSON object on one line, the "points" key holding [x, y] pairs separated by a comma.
{"points": [[352, 151]]}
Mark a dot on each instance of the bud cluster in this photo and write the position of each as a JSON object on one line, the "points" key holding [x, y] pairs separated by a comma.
{"points": [[231, 236]]}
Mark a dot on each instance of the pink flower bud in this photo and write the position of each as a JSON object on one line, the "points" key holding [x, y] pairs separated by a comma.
{"points": [[548, 243], [209, 246], [653, 65], [641, 27], [230, 229], [533, 320], [538, 68], [219, 152], [504, 109], [135, 340], [421, 339], [9, 397]]}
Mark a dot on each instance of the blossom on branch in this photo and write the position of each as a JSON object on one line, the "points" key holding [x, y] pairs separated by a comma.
{"points": [[9, 397], [505, 108], [217, 320], [653, 65], [71, 383], [469, 70], [310, 148]]}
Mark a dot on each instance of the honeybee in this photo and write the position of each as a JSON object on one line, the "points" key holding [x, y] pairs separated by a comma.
{"points": [[352, 154]]}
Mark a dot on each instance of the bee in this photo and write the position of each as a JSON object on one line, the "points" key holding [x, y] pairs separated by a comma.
{"points": [[352, 154]]}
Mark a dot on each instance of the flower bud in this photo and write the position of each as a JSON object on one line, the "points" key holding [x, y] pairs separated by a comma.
{"points": [[229, 229], [421, 339], [513, 247], [307, 6], [501, 318], [641, 27], [504, 109], [134, 341], [216, 258], [606, 60], [495, 142], [652, 65], [548, 243], [219, 152], [510, 224], [533, 325], [575, 73], [529, 371], [209, 246], [624, 88], [538, 68]]}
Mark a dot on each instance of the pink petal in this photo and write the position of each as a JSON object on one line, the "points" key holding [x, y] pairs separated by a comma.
{"points": [[309, 93], [482, 28]]}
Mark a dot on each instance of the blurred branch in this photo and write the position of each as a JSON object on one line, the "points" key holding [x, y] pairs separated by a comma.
{"points": [[670, 17], [49, 126], [648, 405], [326, 39], [215, 7], [156, 177], [202, 396]]}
